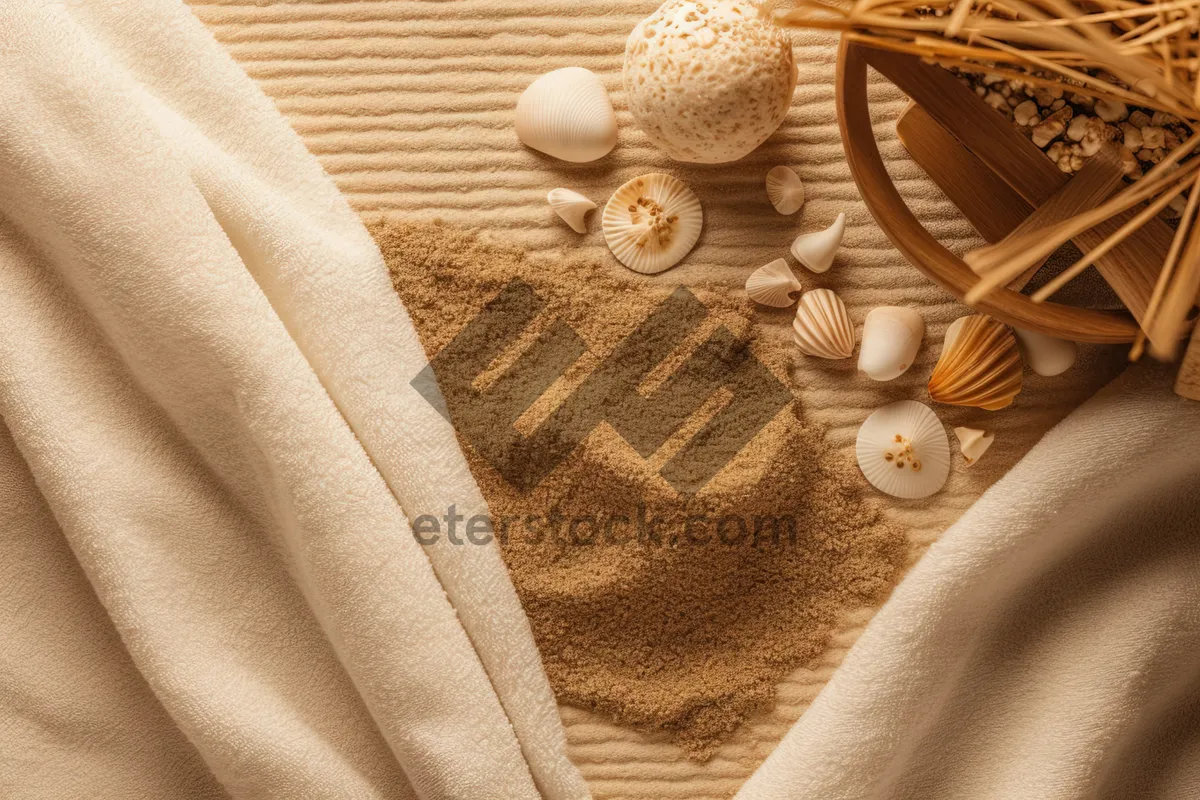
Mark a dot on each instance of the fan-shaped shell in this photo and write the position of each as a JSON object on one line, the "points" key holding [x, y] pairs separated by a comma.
{"points": [[816, 250], [784, 190], [571, 206], [773, 284], [980, 365], [822, 326], [652, 222], [567, 114], [903, 450]]}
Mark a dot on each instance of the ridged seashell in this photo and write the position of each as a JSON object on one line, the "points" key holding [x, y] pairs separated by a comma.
{"points": [[652, 222], [822, 325], [784, 190], [890, 340], [816, 250], [571, 206], [903, 450], [980, 365], [773, 284], [974, 443], [1044, 354], [567, 114]]}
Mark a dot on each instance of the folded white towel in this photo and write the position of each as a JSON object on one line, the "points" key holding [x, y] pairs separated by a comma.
{"points": [[207, 423], [1046, 646]]}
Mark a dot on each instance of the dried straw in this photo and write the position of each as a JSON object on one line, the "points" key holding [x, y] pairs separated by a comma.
{"points": [[1140, 53]]}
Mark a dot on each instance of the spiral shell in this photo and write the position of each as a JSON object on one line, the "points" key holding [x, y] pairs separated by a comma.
{"points": [[822, 326], [980, 365]]}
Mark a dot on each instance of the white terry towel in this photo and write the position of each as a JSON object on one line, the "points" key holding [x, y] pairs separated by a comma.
{"points": [[210, 453], [1046, 647]]}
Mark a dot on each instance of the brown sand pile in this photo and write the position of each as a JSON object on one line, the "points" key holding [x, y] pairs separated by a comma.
{"points": [[659, 622]]}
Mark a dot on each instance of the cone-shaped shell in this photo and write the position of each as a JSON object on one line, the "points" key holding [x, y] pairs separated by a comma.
{"points": [[773, 284], [652, 222], [567, 114], [822, 325], [974, 443], [816, 250], [784, 190], [902, 450], [571, 206], [980, 365]]}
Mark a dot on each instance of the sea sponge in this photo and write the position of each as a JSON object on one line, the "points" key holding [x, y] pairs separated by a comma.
{"points": [[708, 81]]}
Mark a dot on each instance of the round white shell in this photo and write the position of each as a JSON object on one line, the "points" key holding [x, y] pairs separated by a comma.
{"points": [[822, 326], [567, 114], [708, 81], [647, 242], [784, 190], [816, 250], [890, 340], [571, 206], [1044, 354], [773, 284], [919, 428]]}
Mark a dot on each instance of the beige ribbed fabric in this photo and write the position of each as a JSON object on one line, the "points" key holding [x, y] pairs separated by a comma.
{"points": [[409, 106]]}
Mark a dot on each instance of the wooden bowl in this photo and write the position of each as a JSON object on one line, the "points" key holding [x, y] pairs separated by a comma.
{"points": [[923, 251]]}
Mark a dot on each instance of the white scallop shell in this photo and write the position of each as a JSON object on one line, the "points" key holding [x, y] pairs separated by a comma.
{"points": [[567, 114], [1044, 354], [773, 284], [890, 340], [822, 326], [973, 443], [652, 222], [784, 190], [816, 250], [903, 450], [571, 206]]}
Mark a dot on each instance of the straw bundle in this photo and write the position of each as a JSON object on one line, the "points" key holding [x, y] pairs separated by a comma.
{"points": [[1145, 54]]}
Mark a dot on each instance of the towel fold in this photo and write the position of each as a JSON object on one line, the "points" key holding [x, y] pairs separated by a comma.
{"points": [[1045, 647], [210, 454]]}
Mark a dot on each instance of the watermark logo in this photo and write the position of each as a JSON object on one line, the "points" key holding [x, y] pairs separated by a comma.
{"points": [[611, 393]]}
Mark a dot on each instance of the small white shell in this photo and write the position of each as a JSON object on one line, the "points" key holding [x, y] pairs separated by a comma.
{"points": [[974, 443], [571, 206], [773, 284], [822, 326], [902, 450], [652, 222], [816, 250], [1044, 354], [567, 114], [890, 340], [784, 190]]}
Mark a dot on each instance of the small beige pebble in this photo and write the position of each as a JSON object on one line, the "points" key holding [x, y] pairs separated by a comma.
{"points": [[995, 100], [1052, 127], [1057, 104], [1078, 128], [1132, 136], [1139, 119], [1026, 113], [1153, 136], [1164, 118], [1111, 110]]}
